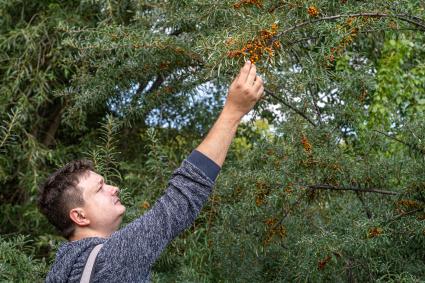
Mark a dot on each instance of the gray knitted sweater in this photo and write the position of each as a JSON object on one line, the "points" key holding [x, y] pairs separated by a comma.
{"points": [[129, 253]]}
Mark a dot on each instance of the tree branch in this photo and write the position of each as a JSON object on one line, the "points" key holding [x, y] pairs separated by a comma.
{"points": [[155, 85], [287, 211], [366, 208], [334, 188], [417, 22], [301, 40], [398, 216], [54, 123], [309, 86], [7, 129], [293, 108], [330, 187], [409, 145]]}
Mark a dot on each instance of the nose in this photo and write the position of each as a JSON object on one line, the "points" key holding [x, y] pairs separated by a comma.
{"points": [[114, 190]]}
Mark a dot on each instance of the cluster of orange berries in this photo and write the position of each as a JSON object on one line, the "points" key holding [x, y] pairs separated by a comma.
{"points": [[263, 191], [263, 43], [274, 229], [289, 188], [348, 39], [322, 263], [408, 203], [145, 205], [237, 192], [306, 144], [363, 95], [374, 232], [404, 205], [313, 11], [164, 65], [258, 3]]}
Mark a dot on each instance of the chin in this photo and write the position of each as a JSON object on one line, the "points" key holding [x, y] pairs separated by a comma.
{"points": [[122, 208]]}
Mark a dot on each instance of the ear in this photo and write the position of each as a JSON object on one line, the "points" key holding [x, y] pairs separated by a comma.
{"points": [[78, 216]]}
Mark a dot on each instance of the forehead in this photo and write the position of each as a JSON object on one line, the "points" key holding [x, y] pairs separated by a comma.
{"points": [[89, 180]]}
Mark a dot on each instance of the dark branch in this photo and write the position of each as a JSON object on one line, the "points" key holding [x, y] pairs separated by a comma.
{"points": [[141, 90], [310, 89], [334, 188], [416, 21], [288, 211], [404, 214], [299, 112], [330, 187], [156, 84], [301, 40], [411, 146], [366, 208], [54, 122]]}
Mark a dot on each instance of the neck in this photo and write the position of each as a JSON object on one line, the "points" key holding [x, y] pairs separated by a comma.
{"points": [[80, 234]]}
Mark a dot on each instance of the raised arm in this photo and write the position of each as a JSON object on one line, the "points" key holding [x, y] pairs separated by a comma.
{"points": [[244, 93], [138, 245]]}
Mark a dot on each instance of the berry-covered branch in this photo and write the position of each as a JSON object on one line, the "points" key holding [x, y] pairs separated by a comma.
{"points": [[334, 188], [409, 145], [420, 23]]}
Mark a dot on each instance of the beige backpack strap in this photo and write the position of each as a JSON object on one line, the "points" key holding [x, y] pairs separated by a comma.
{"points": [[88, 268]]}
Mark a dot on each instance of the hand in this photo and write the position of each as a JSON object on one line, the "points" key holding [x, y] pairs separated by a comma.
{"points": [[244, 92]]}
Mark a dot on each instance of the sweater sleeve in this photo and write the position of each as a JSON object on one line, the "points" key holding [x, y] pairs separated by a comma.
{"points": [[130, 252]]}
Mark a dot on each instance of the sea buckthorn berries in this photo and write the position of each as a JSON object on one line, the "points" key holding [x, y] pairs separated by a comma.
{"points": [[257, 3], [374, 232], [306, 144], [263, 43], [313, 11]]}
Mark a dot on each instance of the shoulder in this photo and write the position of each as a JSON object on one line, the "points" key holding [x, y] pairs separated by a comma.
{"points": [[70, 260]]}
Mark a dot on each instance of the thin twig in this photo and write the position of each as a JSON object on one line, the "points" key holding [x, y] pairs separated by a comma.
{"points": [[334, 188], [419, 23], [287, 211], [366, 208], [411, 146], [9, 126], [299, 112], [403, 214], [298, 59], [288, 44]]}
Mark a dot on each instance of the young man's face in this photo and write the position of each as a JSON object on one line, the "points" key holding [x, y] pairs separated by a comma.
{"points": [[102, 205]]}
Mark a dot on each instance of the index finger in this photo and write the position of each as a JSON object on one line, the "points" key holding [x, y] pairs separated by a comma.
{"points": [[251, 75], [243, 75]]}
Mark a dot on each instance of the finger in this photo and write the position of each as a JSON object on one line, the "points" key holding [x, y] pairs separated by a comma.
{"points": [[236, 79], [251, 75], [258, 83], [261, 93], [243, 74]]}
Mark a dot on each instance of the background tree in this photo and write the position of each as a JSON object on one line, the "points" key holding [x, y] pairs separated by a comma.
{"points": [[326, 180]]}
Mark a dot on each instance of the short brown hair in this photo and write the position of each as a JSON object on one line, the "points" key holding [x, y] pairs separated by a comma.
{"points": [[59, 194]]}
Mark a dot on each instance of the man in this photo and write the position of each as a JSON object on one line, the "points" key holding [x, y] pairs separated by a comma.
{"points": [[88, 212]]}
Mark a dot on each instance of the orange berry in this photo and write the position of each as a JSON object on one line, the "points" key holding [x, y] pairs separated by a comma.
{"points": [[145, 205], [374, 232], [313, 11], [306, 144]]}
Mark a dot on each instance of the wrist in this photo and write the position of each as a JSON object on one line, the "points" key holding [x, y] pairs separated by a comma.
{"points": [[231, 116]]}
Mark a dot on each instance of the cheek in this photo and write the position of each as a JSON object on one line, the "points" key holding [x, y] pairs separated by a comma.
{"points": [[98, 205]]}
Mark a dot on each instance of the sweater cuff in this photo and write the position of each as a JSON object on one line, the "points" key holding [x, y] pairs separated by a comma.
{"points": [[209, 167]]}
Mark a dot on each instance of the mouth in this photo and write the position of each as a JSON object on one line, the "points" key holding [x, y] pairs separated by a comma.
{"points": [[117, 201]]}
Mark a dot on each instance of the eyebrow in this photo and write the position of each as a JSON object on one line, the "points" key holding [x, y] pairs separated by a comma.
{"points": [[100, 183]]}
